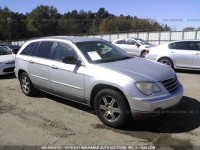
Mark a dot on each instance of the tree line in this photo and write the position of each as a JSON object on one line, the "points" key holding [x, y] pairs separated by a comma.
{"points": [[46, 21]]}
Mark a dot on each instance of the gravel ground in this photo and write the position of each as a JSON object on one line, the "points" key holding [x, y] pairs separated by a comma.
{"points": [[47, 120]]}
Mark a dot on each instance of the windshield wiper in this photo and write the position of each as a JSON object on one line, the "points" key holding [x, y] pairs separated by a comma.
{"points": [[117, 59]]}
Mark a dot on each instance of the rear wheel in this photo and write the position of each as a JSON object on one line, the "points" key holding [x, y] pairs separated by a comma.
{"points": [[111, 108], [26, 85], [143, 54], [167, 61]]}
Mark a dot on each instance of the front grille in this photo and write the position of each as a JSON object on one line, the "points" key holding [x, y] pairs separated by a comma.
{"points": [[171, 84], [9, 69]]}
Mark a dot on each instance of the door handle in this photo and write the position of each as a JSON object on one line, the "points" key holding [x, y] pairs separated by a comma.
{"points": [[197, 54], [30, 61], [173, 52], [54, 67]]}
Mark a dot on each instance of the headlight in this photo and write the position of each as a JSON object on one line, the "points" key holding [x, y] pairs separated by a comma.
{"points": [[147, 88]]}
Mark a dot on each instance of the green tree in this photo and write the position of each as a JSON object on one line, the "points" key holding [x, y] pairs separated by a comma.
{"points": [[189, 29], [43, 21]]}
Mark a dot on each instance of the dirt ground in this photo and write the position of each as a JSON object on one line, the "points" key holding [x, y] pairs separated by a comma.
{"points": [[48, 120]]}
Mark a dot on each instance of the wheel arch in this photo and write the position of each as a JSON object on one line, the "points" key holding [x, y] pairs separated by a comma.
{"points": [[142, 51], [20, 72], [167, 58], [99, 87]]}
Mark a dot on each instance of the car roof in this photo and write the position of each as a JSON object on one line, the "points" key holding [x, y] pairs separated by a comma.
{"points": [[13, 46], [74, 39]]}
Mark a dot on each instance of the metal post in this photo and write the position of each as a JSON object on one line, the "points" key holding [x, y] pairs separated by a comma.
{"points": [[170, 36], [158, 37], [148, 36], [195, 36], [183, 35]]}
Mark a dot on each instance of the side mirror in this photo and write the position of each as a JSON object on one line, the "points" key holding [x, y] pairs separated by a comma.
{"points": [[72, 60], [79, 62], [138, 45]]}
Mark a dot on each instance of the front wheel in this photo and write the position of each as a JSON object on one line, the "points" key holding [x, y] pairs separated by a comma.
{"points": [[166, 61], [111, 108]]}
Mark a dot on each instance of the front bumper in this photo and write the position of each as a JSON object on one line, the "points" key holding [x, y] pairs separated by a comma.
{"points": [[7, 68], [151, 107]]}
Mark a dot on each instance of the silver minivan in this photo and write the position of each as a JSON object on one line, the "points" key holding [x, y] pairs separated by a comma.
{"points": [[96, 73]]}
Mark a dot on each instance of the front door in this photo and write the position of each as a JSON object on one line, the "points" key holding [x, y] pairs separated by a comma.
{"points": [[67, 80], [132, 47]]}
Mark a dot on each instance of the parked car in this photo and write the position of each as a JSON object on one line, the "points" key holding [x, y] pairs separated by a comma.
{"points": [[178, 54], [12, 48], [96, 73], [7, 61], [134, 46]]}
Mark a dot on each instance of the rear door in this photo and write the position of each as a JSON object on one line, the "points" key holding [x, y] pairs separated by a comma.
{"points": [[39, 65], [182, 54], [196, 60]]}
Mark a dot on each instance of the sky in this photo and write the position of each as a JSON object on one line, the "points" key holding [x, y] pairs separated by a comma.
{"points": [[177, 14]]}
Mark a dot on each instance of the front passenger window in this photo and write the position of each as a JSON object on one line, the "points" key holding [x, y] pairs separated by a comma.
{"points": [[63, 51], [197, 46], [131, 42]]}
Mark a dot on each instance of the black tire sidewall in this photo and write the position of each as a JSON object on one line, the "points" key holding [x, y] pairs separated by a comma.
{"points": [[120, 100], [172, 65], [144, 52]]}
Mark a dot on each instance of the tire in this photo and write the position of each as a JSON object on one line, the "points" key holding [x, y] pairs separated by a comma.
{"points": [[26, 85], [167, 61], [143, 54], [111, 108]]}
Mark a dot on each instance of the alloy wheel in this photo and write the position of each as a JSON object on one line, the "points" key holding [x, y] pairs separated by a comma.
{"points": [[109, 109], [25, 84]]}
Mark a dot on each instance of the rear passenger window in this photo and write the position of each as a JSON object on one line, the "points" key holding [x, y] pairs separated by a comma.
{"points": [[121, 42], [28, 50], [197, 46], [44, 49], [183, 45], [171, 46]]}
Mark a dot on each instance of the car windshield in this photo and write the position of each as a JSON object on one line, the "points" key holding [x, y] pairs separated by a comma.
{"points": [[143, 42], [3, 51], [14, 46], [101, 52], [6, 47]]}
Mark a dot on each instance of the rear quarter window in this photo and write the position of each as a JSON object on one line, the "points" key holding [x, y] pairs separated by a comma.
{"points": [[28, 49], [44, 49]]}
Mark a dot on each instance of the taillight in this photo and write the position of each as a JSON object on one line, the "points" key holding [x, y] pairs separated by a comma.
{"points": [[147, 51]]}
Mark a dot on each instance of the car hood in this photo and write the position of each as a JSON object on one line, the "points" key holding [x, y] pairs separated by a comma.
{"points": [[140, 69], [7, 58]]}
